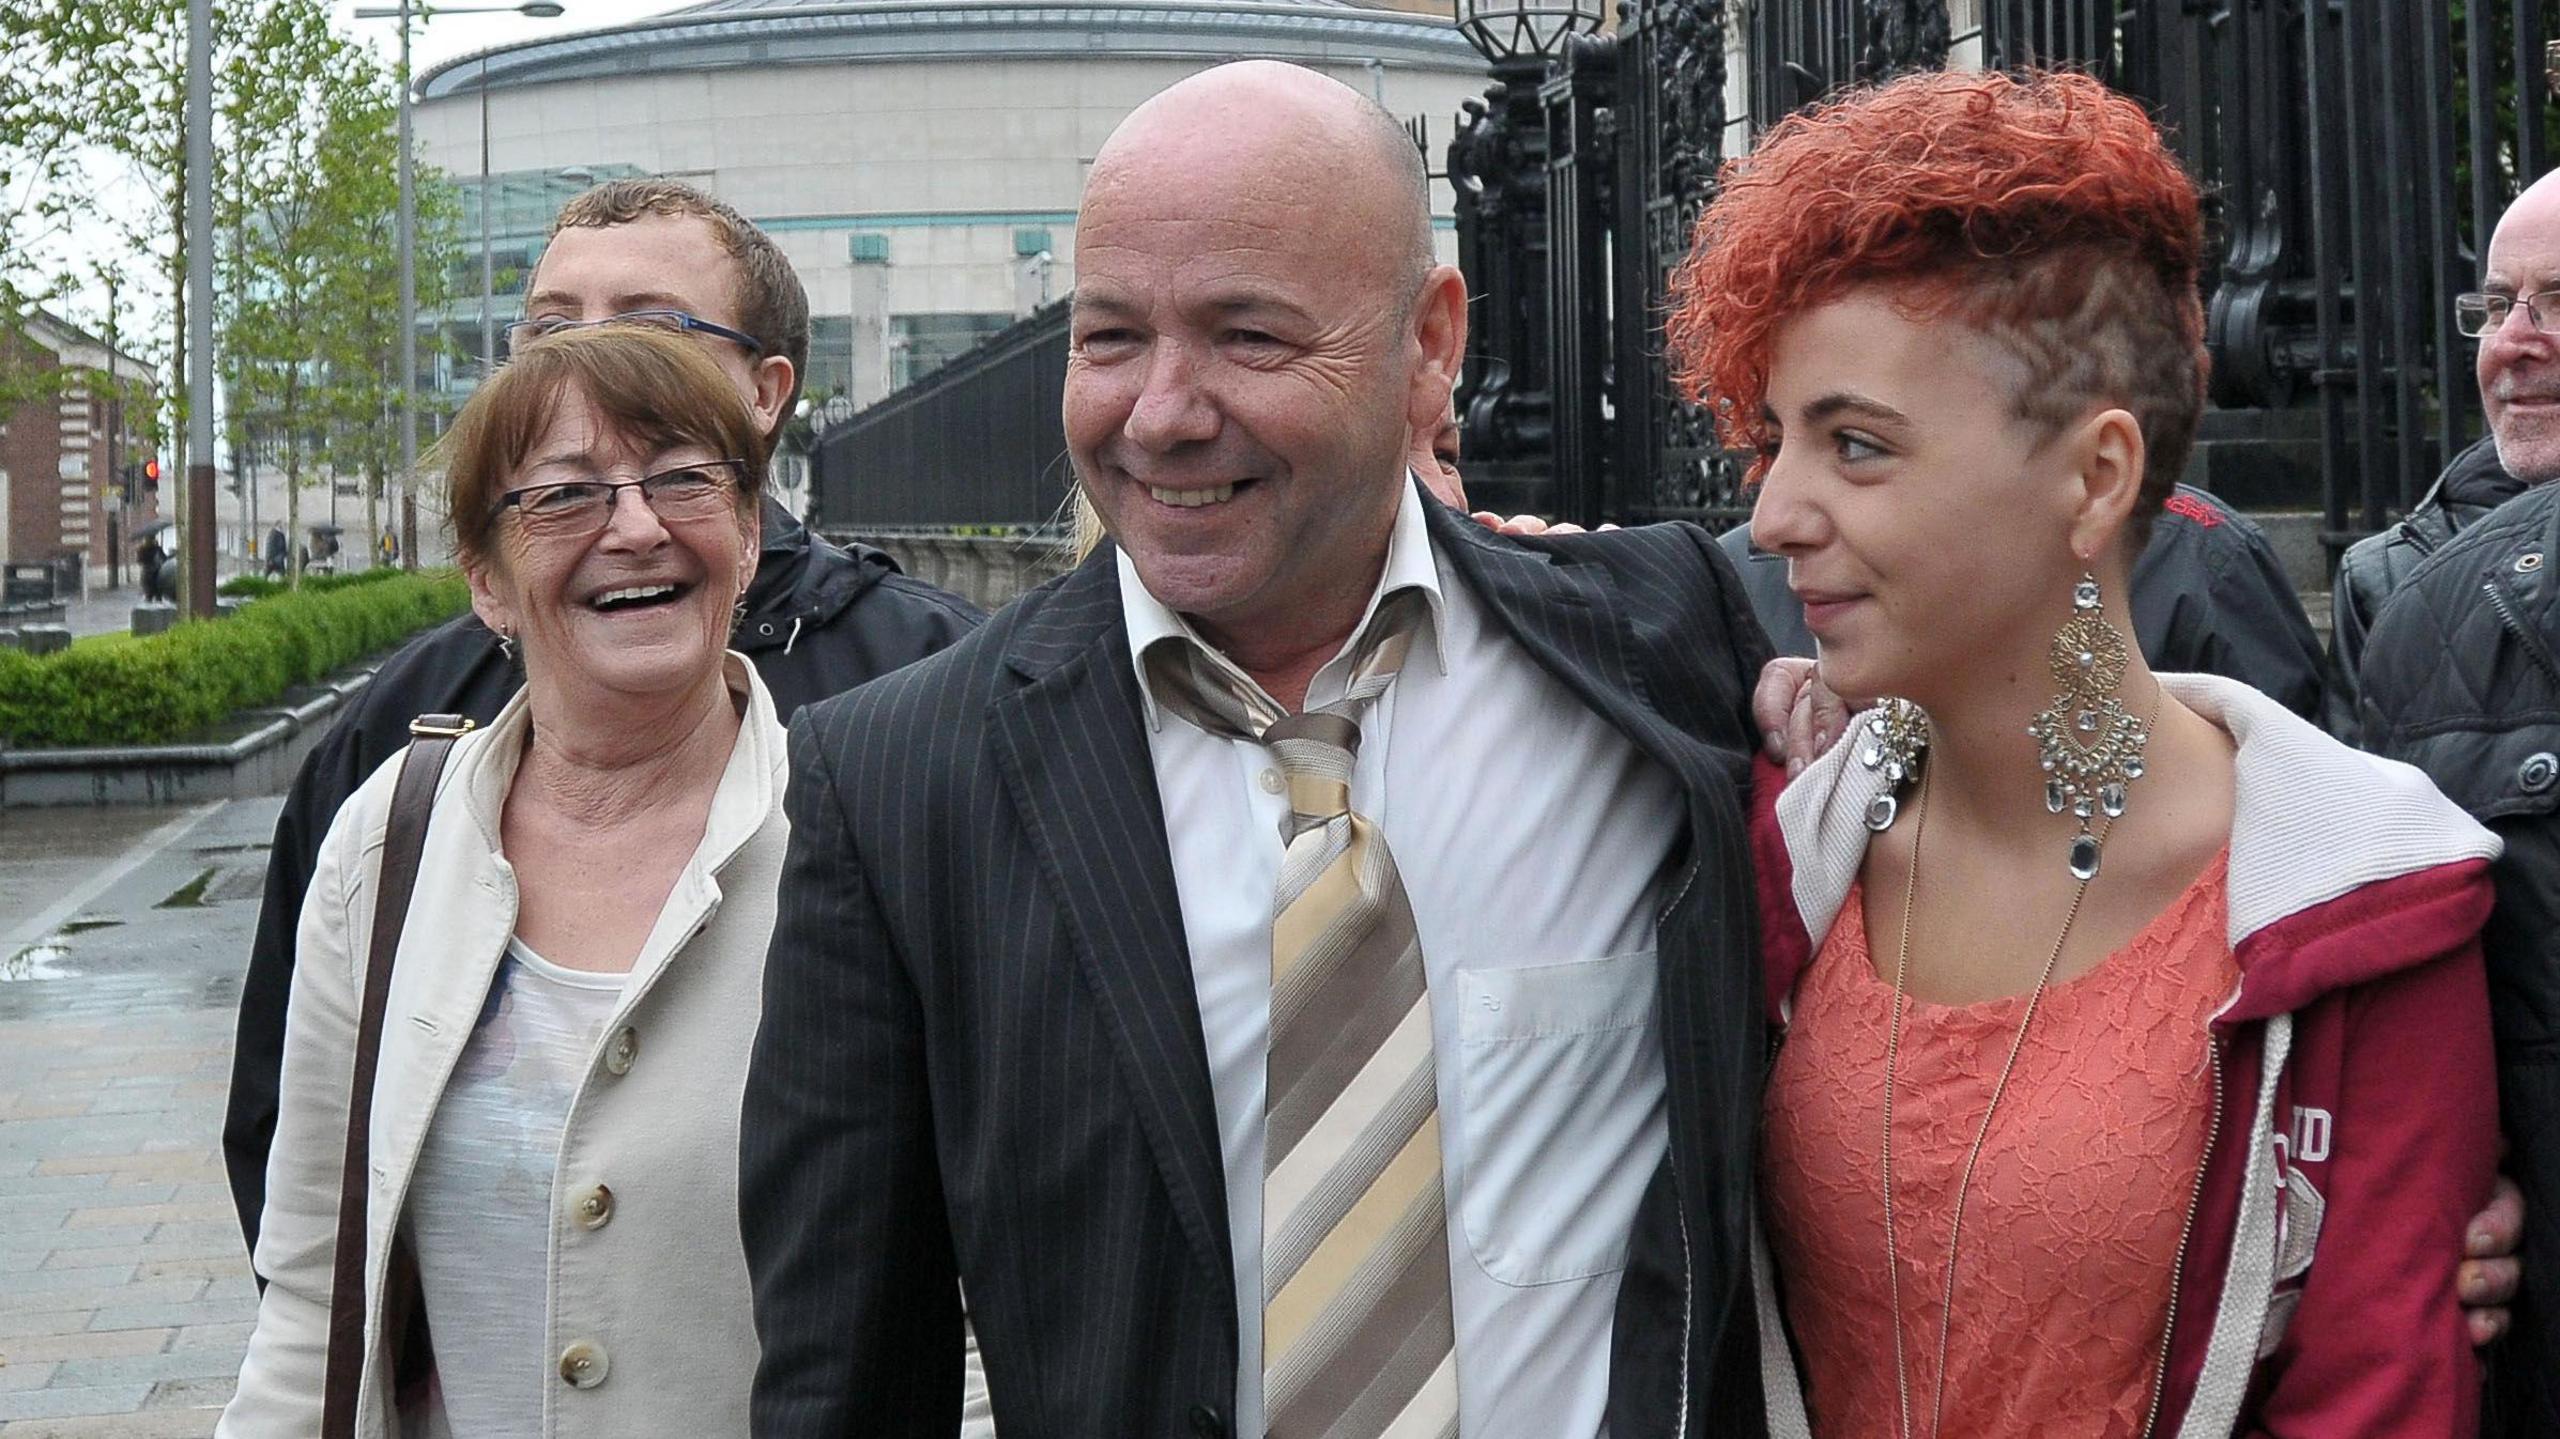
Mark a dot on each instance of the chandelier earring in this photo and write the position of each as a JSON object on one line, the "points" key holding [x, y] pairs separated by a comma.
{"points": [[2088, 744], [1896, 740]]}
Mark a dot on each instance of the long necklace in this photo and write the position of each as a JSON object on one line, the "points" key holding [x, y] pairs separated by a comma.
{"points": [[1892, 1054]]}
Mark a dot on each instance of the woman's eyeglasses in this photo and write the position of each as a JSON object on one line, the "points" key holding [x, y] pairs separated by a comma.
{"points": [[578, 509], [525, 332]]}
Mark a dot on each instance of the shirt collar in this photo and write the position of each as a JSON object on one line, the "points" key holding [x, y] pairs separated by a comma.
{"points": [[1411, 565]]}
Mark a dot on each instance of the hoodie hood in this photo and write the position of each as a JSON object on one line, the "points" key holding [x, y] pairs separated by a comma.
{"points": [[802, 581], [2314, 826]]}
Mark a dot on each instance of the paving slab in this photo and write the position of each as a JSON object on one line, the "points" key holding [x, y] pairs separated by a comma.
{"points": [[125, 1296]]}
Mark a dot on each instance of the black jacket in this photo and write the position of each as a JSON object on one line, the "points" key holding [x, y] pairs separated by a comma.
{"points": [[982, 1058], [819, 621], [2209, 597], [2473, 485], [2462, 679]]}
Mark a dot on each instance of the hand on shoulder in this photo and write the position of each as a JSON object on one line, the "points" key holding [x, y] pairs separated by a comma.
{"points": [[1529, 525]]}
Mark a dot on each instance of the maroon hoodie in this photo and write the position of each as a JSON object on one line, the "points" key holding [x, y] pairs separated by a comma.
{"points": [[2355, 1130]]}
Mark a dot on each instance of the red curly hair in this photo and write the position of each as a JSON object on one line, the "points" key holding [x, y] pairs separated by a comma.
{"points": [[2040, 209]]}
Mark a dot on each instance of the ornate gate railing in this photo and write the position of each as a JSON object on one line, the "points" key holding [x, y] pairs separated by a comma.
{"points": [[2355, 155]]}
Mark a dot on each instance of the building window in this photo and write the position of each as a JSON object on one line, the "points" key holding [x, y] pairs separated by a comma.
{"points": [[831, 357], [922, 344], [1027, 243], [869, 247]]}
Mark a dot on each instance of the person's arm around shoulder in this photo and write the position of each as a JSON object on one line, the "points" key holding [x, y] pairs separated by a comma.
{"points": [[1743, 655], [839, 1193], [2380, 1347], [280, 1380]]}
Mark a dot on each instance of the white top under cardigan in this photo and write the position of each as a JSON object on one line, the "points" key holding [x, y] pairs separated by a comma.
{"points": [[481, 1207]]}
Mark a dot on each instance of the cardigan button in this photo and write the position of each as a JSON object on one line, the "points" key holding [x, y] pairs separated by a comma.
{"points": [[595, 1208], [623, 1048], [1207, 1423], [585, 1364], [2539, 772]]}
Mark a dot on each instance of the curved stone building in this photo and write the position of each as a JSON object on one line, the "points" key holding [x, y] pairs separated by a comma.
{"points": [[919, 160]]}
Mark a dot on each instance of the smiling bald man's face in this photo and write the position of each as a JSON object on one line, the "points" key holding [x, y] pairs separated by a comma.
{"points": [[1250, 344]]}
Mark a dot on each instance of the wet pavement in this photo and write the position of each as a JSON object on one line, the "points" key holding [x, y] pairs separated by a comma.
{"points": [[104, 611], [125, 1298]]}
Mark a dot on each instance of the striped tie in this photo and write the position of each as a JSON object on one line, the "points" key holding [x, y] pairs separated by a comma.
{"points": [[1357, 1340]]}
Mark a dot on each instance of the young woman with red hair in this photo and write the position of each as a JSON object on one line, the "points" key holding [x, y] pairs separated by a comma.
{"points": [[2135, 1066]]}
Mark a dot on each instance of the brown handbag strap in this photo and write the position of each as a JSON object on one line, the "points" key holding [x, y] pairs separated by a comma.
{"points": [[412, 802]]}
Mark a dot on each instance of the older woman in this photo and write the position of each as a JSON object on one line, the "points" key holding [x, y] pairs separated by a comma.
{"points": [[554, 1127], [2135, 1064]]}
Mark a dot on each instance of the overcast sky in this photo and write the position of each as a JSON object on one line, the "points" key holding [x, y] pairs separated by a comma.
{"points": [[448, 35], [443, 37]]}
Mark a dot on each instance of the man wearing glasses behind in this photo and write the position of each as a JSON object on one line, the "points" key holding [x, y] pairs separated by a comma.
{"points": [[2519, 365], [817, 619], [2461, 677]]}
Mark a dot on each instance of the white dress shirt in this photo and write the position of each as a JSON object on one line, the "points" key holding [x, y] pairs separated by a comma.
{"points": [[1531, 838]]}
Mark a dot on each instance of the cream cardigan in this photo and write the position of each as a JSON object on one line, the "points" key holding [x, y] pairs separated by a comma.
{"points": [[655, 1298]]}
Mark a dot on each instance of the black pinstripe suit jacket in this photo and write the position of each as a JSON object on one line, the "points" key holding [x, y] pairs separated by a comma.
{"points": [[981, 1059]]}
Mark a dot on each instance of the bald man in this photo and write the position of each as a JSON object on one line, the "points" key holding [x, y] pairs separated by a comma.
{"points": [[1292, 971], [2459, 677], [2518, 363]]}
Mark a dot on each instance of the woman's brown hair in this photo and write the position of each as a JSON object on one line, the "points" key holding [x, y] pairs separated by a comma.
{"points": [[648, 383]]}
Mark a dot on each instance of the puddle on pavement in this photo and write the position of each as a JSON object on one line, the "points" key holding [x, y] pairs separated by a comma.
{"points": [[47, 960]]}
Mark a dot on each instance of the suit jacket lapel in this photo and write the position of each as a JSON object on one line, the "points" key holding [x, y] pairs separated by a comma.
{"points": [[1072, 742], [1572, 621]]}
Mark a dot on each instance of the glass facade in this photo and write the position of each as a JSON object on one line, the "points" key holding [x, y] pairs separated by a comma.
{"points": [[922, 344]]}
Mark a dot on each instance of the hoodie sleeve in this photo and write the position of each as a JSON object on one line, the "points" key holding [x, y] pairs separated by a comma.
{"points": [[2378, 1348]]}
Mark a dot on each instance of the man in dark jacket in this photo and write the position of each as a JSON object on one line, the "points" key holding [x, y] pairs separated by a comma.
{"points": [[2473, 485], [2209, 596], [2461, 677], [819, 619]]}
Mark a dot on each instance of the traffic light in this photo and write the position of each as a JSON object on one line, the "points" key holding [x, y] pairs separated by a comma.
{"points": [[151, 475]]}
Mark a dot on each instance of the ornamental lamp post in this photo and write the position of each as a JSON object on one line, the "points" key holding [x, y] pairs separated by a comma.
{"points": [[1497, 167], [1525, 32], [536, 9]]}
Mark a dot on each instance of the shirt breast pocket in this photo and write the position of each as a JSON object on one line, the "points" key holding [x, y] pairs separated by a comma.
{"points": [[1560, 1072]]}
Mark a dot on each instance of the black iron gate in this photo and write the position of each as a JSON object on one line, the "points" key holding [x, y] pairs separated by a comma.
{"points": [[2355, 155]]}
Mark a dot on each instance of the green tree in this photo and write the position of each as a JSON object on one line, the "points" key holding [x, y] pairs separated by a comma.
{"points": [[305, 154], [41, 134], [102, 82], [294, 101], [359, 329]]}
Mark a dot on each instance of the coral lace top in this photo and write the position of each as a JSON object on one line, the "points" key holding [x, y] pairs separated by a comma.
{"points": [[2074, 1216]]}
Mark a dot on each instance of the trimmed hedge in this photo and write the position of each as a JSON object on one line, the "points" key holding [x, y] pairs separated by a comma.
{"points": [[164, 687], [259, 587]]}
